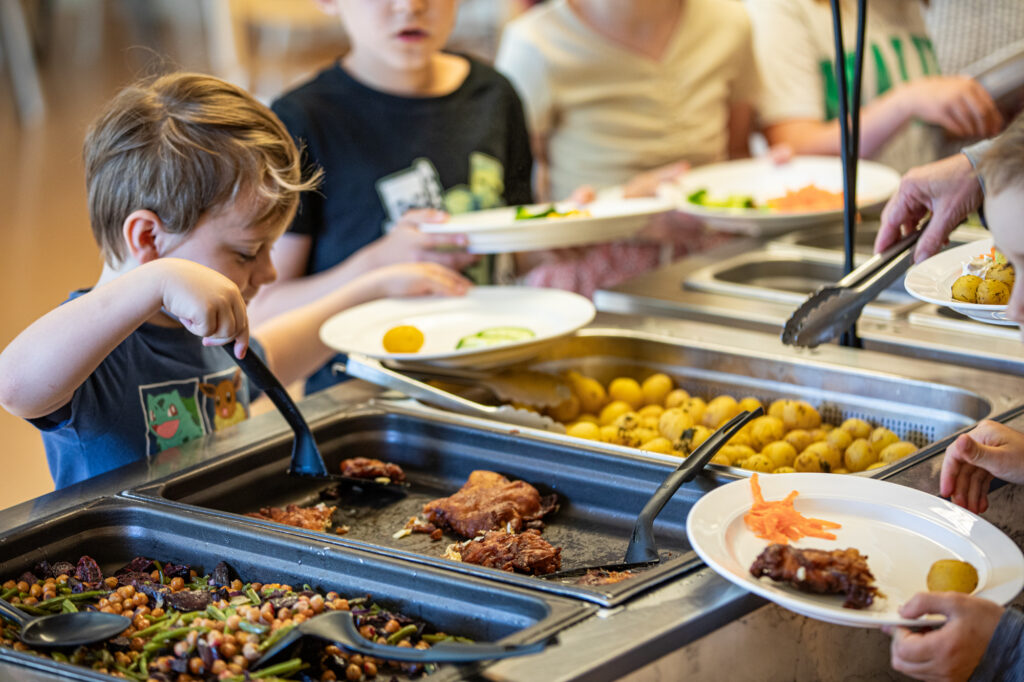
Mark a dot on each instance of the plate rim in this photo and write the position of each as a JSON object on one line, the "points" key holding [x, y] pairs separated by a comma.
{"points": [[915, 273]]}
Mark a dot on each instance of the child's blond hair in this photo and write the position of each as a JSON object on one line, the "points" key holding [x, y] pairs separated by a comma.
{"points": [[183, 145], [1003, 164]]}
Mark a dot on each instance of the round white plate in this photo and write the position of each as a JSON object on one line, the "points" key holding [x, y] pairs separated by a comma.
{"points": [[763, 180], [550, 313], [497, 230], [902, 531], [932, 281]]}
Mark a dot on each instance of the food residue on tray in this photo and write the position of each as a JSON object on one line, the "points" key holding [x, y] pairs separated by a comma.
{"points": [[365, 467], [600, 576], [840, 571], [778, 521], [190, 626], [317, 517]]}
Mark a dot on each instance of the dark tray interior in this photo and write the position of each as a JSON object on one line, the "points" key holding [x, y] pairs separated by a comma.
{"points": [[113, 531], [599, 494]]}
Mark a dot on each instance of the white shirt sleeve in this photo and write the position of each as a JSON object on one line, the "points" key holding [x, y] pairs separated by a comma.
{"points": [[522, 62]]}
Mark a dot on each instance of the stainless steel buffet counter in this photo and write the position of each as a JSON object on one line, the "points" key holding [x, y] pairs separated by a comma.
{"points": [[678, 617]]}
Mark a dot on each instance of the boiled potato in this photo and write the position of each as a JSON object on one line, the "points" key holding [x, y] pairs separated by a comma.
{"points": [[797, 414], [764, 430], [737, 453], [830, 458], [719, 459], [673, 422], [695, 407], [567, 411], [1001, 272], [627, 390], [841, 470], [590, 392], [896, 451], [589, 418], [613, 411], [781, 453], [758, 463], [858, 428], [992, 292], [720, 410], [692, 438], [741, 437], [882, 437], [784, 470], [826, 427], [807, 461], [656, 388], [650, 411], [859, 455], [876, 465], [608, 433], [676, 397], [658, 444], [627, 420], [649, 422], [799, 439], [965, 288], [840, 439], [643, 435], [750, 404], [818, 435], [952, 575], [587, 430]]}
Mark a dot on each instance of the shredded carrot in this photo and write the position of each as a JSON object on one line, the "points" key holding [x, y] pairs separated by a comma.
{"points": [[778, 521], [807, 198]]}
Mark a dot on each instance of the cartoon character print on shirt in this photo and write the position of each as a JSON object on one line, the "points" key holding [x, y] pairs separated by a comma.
{"points": [[228, 409], [419, 186], [171, 417]]}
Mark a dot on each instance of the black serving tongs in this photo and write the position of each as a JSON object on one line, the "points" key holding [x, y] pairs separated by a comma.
{"points": [[306, 458], [643, 549], [832, 310]]}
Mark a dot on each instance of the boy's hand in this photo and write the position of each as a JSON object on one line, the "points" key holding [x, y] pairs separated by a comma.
{"points": [[951, 652], [206, 302], [416, 279], [405, 243], [990, 449]]}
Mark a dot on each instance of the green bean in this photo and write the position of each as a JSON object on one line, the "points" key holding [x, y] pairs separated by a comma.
{"points": [[253, 628], [159, 624], [253, 597], [59, 657], [399, 635], [68, 606], [275, 637], [464, 640], [214, 612], [177, 633], [289, 667], [191, 616], [89, 595], [34, 610], [7, 594], [160, 571], [434, 639], [128, 672]]}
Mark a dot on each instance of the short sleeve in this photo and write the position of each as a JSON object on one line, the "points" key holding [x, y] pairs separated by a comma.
{"points": [[791, 85], [522, 62], [309, 216]]}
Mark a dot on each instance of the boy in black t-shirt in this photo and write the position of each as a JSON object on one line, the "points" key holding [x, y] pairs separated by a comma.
{"points": [[403, 132]]}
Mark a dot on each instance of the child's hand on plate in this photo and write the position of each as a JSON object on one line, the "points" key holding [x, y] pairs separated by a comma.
{"points": [[406, 243], [952, 651], [988, 450]]}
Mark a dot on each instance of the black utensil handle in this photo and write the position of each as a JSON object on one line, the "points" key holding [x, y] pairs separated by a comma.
{"points": [[12, 612], [641, 544]]}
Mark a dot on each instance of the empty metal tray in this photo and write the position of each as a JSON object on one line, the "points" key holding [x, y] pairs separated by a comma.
{"points": [[832, 238]]}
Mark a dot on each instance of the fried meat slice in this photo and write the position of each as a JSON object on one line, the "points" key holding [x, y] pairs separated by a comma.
{"points": [[525, 552], [489, 501], [365, 467], [840, 571], [317, 517]]}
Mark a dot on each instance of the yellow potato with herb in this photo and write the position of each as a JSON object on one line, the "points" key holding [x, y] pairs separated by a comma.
{"points": [[627, 390], [992, 292], [587, 430], [676, 397], [952, 575], [965, 288], [673, 422], [612, 411], [859, 455], [764, 430], [858, 428], [881, 437], [799, 439], [656, 388], [781, 453], [896, 451], [590, 392], [720, 410]]}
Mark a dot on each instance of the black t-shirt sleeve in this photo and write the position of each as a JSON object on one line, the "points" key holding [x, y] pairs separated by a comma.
{"points": [[519, 170], [309, 216]]}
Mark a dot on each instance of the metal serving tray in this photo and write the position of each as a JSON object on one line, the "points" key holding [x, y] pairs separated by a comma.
{"points": [[789, 276], [600, 494], [831, 238], [114, 531], [941, 317]]}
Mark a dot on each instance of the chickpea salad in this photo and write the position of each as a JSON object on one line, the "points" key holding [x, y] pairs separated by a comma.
{"points": [[187, 627]]}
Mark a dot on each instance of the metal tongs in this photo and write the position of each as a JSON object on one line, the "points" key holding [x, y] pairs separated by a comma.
{"points": [[833, 309], [373, 371]]}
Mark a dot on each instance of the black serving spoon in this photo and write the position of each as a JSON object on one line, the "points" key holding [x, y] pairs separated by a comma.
{"points": [[643, 549], [65, 629], [339, 627], [306, 458]]}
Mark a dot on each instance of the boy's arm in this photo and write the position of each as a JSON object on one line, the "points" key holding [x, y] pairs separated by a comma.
{"points": [[292, 340], [44, 365]]}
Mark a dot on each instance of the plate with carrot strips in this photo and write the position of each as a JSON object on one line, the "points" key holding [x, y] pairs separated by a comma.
{"points": [[884, 536], [759, 197]]}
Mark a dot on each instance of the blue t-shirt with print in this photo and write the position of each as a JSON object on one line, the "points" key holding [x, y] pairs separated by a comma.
{"points": [[160, 388]]}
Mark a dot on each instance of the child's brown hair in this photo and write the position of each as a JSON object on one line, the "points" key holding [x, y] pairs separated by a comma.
{"points": [[182, 145], [1003, 164]]}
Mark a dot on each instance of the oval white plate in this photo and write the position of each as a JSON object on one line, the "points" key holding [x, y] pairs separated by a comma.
{"points": [[550, 313], [902, 531], [497, 231], [932, 281], [763, 180]]}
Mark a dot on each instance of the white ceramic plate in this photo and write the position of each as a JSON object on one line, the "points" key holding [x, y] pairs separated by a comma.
{"points": [[763, 180], [901, 530], [932, 281], [549, 313], [497, 230]]}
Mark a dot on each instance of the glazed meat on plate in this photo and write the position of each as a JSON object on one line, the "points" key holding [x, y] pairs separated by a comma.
{"points": [[840, 571]]}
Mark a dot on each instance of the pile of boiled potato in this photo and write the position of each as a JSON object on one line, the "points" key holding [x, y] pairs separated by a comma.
{"points": [[656, 416]]}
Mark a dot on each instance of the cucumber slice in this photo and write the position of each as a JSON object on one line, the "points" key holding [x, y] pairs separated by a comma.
{"points": [[474, 341], [510, 333]]}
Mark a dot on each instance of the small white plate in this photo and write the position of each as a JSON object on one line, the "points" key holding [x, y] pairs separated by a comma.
{"points": [[932, 281], [549, 313], [902, 531], [497, 230], [762, 179]]}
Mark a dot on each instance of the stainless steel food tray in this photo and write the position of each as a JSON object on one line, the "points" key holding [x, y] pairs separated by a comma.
{"points": [[114, 531], [941, 317], [831, 238], [789, 276]]}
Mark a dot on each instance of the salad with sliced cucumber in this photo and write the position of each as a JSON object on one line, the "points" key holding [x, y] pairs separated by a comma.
{"points": [[494, 336]]}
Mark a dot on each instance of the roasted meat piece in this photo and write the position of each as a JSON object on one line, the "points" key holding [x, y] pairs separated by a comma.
{"points": [[489, 501], [364, 467], [599, 576], [525, 552], [311, 518], [841, 571]]}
